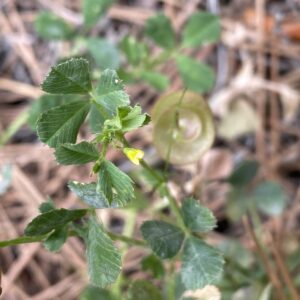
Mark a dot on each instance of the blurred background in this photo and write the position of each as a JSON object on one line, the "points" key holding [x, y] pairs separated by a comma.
{"points": [[255, 103]]}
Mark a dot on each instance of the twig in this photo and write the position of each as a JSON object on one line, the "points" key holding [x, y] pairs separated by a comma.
{"points": [[20, 88], [270, 272], [284, 271], [260, 99]]}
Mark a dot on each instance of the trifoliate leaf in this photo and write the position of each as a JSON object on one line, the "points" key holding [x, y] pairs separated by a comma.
{"points": [[56, 240], [53, 219], [270, 198], [105, 54], [46, 102], [110, 93], [134, 51], [196, 216], [201, 264], [89, 194], [103, 259], [157, 80], [69, 77], [244, 173], [160, 30], [61, 124], [114, 184], [143, 290], [164, 239], [201, 28], [94, 9], [195, 75], [52, 27], [76, 154]]}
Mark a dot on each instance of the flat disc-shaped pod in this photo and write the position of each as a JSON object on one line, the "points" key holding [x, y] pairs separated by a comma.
{"points": [[183, 127]]}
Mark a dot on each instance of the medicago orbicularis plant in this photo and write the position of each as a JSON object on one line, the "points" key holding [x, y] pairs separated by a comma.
{"points": [[71, 98], [132, 57]]}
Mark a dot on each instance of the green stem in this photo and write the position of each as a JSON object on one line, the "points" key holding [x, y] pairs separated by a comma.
{"points": [[13, 127], [165, 191], [145, 165], [126, 239], [130, 217], [175, 209], [97, 164], [175, 124], [30, 239], [23, 240]]}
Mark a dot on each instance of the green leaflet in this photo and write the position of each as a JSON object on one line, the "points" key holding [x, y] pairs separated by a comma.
{"points": [[201, 264], [238, 201], [195, 75], [114, 184], [56, 240], [127, 119], [143, 290], [157, 80], [89, 194], [96, 118], [46, 102], [95, 293], [61, 124], [51, 220], [105, 54], [94, 9], [76, 154], [52, 27], [164, 239], [110, 93], [132, 118], [270, 198], [69, 77], [244, 173], [196, 216], [153, 264], [104, 260], [201, 28], [160, 30]]}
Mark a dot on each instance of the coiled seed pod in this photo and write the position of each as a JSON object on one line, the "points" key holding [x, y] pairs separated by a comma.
{"points": [[183, 127]]}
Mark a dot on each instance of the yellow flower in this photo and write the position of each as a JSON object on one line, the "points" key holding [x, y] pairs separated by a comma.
{"points": [[135, 155]]}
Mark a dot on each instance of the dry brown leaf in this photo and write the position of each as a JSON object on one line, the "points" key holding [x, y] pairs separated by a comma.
{"points": [[241, 119], [209, 292]]}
